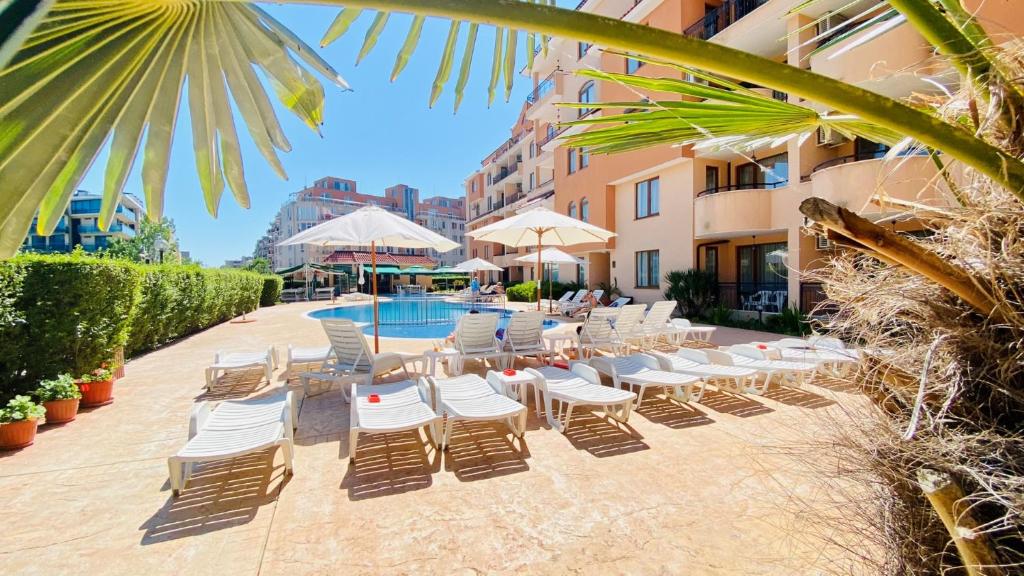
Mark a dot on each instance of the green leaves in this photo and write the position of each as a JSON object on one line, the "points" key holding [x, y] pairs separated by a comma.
{"points": [[718, 115], [95, 73]]}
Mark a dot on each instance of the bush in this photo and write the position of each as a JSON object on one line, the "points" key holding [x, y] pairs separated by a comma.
{"points": [[62, 387], [272, 286], [527, 291], [694, 290], [67, 313], [790, 321], [21, 408]]}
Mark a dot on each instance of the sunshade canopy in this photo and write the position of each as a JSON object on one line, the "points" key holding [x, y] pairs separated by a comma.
{"points": [[477, 265], [371, 224], [551, 256], [543, 227]]}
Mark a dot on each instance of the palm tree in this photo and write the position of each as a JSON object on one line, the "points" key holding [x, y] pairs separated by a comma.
{"points": [[75, 74]]}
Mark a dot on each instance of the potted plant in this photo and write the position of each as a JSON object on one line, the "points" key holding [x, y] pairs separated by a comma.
{"points": [[19, 421], [97, 387], [60, 397]]}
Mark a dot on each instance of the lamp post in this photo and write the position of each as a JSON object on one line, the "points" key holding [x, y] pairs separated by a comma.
{"points": [[160, 246]]}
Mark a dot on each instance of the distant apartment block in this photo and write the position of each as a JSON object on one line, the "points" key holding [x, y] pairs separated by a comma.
{"points": [[79, 225], [330, 197], [732, 213]]}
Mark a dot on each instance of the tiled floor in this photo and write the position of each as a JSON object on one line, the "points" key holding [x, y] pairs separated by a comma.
{"points": [[712, 488]]}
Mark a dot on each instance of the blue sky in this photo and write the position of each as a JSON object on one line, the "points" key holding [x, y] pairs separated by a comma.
{"points": [[380, 134]]}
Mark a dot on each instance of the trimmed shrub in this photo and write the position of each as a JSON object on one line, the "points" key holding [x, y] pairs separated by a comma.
{"points": [[67, 314], [527, 291], [272, 286], [72, 312]]}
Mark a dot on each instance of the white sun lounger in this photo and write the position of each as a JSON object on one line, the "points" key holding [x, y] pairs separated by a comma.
{"points": [[597, 332], [655, 324], [629, 324], [232, 429], [696, 363], [475, 339], [524, 336], [579, 387], [224, 362], [684, 329], [403, 406], [643, 371], [353, 360], [573, 303], [832, 361], [471, 398], [793, 374], [319, 355]]}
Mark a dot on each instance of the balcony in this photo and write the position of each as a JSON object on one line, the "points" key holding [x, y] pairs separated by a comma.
{"points": [[733, 210], [851, 181], [545, 87], [722, 17]]}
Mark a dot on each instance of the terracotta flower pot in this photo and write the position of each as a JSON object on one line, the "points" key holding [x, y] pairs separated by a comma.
{"points": [[96, 393], [17, 435], [61, 411]]}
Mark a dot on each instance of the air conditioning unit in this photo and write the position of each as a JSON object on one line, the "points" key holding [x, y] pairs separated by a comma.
{"points": [[821, 242], [830, 138], [829, 23]]}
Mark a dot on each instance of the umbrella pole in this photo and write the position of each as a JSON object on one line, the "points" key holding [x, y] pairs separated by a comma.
{"points": [[540, 270], [550, 272], [373, 264]]}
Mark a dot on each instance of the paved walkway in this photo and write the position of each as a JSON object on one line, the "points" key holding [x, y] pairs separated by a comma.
{"points": [[708, 489]]}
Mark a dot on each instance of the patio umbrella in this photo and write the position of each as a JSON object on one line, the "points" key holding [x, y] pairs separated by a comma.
{"points": [[539, 227], [372, 226], [551, 256]]}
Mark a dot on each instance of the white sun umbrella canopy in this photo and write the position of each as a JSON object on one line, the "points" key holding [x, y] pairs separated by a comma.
{"points": [[477, 265], [372, 226], [540, 227], [551, 256]]}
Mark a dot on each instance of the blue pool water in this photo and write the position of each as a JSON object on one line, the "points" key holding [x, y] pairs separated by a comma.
{"points": [[414, 317]]}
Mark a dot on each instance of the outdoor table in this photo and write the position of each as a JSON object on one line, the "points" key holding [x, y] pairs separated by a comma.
{"points": [[432, 356], [515, 387], [556, 342]]}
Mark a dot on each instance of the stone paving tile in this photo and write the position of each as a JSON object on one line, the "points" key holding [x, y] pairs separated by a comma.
{"points": [[702, 489]]}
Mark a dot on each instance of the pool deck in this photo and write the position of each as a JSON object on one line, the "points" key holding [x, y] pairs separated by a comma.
{"points": [[713, 488]]}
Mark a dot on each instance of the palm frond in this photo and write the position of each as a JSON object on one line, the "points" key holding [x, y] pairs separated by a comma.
{"points": [[712, 117], [97, 72]]}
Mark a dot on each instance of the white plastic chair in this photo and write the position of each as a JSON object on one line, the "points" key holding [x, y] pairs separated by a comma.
{"points": [[401, 406], [224, 362], [620, 302], [629, 324], [793, 374], [579, 386], [353, 360], [475, 339], [524, 336], [684, 329], [573, 303], [233, 429], [643, 371], [655, 324], [471, 398]]}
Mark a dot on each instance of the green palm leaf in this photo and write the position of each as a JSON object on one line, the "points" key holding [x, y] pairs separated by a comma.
{"points": [[728, 116], [94, 72]]}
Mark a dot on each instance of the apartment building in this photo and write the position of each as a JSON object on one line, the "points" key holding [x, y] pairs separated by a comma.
{"points": [[732, 213], [330, 197], [79, 225]]}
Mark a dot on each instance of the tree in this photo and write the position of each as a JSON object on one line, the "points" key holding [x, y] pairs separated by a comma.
{"points": [[153, 242], [260, 265]]}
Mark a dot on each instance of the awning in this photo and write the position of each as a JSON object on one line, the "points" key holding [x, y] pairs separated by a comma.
{"points": [[385, 269]]}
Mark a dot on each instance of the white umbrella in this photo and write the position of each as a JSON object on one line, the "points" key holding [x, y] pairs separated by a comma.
{"points": [[551, 256], [539, 227], [372, 226], [477, 265]]}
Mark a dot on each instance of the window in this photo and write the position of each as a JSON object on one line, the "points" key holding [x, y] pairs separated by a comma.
{"points": [[647, 273], [587, 95], [533, 149], [633, 65], [769, 172], [585, 210], [584, 158], [647, 198], [710, 177], [474, 185], [711, 261], [572, 209], [532, 179], [582, 48], [761, 267], [574, 155]]}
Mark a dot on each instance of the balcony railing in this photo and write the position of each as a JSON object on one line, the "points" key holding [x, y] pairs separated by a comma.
{"points": [[543, 89], [750, 295], [722, 17], [754, 186], [550, 136], [861, 156], [503, 148]]}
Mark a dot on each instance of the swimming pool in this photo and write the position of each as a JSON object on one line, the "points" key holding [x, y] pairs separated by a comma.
{"points": [[414, 317]]}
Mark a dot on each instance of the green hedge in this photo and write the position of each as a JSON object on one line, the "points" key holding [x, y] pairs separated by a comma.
{"points": [[527, 291], [272, 286], [67, 313]]}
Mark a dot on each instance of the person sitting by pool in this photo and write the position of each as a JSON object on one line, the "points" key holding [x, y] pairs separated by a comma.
{"points": [[499, 288], [588, 304]]}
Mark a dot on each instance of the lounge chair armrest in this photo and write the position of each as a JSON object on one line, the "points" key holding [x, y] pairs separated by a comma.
{"points": [[649, 361], [197, 418], [495, 383], [353, 420], [587, 372], [272, 353], [719, 357], [664, 363], [748, 351], [290, 415], [428, 392]]}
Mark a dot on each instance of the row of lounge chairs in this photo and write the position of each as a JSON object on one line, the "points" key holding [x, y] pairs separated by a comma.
{"points": [[435, 404]]}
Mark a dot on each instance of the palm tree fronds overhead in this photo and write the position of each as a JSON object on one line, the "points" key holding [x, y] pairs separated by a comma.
{"points": [[729, 116], [94, 72]]}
